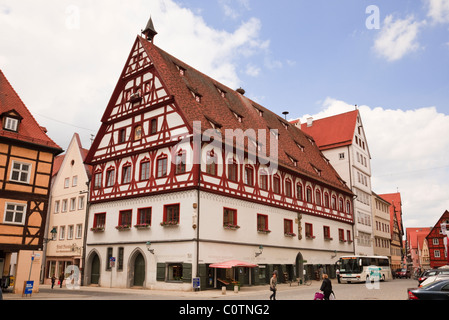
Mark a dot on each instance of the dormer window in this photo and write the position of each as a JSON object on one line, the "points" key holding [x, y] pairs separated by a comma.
{"points": [[221, 92], [196, 95], [301, 147], [318, 171], [239, 117], [10, 120], [182, 71], [10, 124]]}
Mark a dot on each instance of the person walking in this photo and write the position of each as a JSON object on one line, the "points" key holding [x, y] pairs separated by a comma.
{"points": [[61, 279], [273, 284], [326, 286], [53, 280]]}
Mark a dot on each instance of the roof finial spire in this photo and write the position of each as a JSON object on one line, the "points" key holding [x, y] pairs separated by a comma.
{"points": [[149, 30]]}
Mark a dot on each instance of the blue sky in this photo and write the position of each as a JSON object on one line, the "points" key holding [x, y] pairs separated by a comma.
{"points": [[310, 58]]}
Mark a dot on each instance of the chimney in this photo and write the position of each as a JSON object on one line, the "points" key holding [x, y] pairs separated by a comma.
{"points": [[309, 122]]}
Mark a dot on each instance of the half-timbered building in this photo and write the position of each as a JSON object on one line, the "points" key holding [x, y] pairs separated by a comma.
{"points": [[26, 160], [437, 242], [188, 172]]}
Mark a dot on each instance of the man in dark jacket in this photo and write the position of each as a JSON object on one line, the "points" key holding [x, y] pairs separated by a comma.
{"points": [[326, 287]]}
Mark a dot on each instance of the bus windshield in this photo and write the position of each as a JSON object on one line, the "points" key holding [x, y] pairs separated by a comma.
{"points": [[350, 265]]}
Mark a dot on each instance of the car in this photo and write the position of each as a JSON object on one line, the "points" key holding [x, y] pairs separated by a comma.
{"points": [[438, 290], [432, 272], [403, 273], [431, 279]]}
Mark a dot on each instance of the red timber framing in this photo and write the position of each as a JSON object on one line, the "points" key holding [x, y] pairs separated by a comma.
{"points": [[435, 241], [151, 114]]}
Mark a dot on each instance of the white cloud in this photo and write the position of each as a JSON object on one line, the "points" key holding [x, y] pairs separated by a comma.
{"points": [[438, 10], [398, 37], [409, 154], [252, 70], [73, 52]]}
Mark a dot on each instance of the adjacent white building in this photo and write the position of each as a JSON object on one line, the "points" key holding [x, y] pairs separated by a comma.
{"points": [[342, 140]]}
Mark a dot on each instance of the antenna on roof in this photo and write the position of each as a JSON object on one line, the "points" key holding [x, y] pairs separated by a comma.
{"points": [[149, 30]]}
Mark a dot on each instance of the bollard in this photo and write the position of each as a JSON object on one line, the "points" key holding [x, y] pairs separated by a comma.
{"points": [[236, 289], [223, 290]]}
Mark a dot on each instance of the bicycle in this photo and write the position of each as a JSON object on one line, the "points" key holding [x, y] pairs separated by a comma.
{"points": [[301, 282]]}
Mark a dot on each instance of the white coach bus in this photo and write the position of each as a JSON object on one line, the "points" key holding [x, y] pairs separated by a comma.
{"points": [[364, 268]]}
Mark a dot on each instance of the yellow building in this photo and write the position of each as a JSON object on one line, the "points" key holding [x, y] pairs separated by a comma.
{"points": [[26, 161]]}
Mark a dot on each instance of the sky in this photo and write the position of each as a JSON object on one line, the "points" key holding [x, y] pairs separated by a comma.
{"points": [[310, 58]]}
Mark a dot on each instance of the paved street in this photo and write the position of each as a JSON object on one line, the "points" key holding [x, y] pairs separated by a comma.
{"points": [[391, 290]]}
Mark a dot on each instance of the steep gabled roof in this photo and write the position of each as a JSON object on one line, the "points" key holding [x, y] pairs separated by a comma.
{"points": [[396, 207], [230, 109], [332, 132], [28, 129]]}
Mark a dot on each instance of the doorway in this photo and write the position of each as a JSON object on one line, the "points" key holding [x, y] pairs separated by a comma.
{"points": [[139, 270], [95, 269]]}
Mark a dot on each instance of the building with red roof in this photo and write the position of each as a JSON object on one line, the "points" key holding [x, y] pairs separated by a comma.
{"points": [[437, 240], [26, 161], [417, 248], [342, 140], [188, 173]]}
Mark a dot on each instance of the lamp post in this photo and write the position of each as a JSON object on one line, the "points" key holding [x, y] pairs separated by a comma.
{"points": [[445, 233]]}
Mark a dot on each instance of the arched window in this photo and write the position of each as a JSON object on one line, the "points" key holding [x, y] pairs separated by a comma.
{"points": [[288, 188], [318, 197], [326, 200], [211, 163], [299, 195], [309, 194], [232, 170]]}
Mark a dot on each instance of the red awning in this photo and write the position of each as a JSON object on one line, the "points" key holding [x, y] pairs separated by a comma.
{"points": [[231, 264]]}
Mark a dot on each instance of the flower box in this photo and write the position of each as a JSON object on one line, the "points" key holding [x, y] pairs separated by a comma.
{"points": [[169, 223], [123, 227], [97, 229], [290, 234], [231, 226], [265, 231], [142, 226]]}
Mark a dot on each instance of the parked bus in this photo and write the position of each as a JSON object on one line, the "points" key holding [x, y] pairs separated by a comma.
{"points": [[364, 268]]}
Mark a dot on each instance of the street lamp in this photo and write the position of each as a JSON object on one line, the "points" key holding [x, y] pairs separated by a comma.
{"points": [[148, 244], [260, 251], [53, 233]]}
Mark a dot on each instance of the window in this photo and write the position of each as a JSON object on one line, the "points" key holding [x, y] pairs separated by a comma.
{"points": [[108, 258], [348, 207], [126, 174], [171, 214], [11, 124], [70, 233], [124, 219], [120, 259], [122, 136], [99, 220], [334, 203], [437, 253], [299, 191], [211, 163], [162, 167], [263, 181], [288, 188], [72, 204], [20, 172], [309, 195], [229, 218], [180, 163], [56, 206], [276, 184], [341, 235], [144, 217], [74, 181], [61, 232], [64, 205], [81, 203], [110, 177], [435, 241], [318, 197], [153, 128], [249, 172], [340, 205], [288, 227], [79, 231], [232, 170], [175, 272], [15, 213], [98, 179], [309, 231], [262, 223], [326, 200], [144, 170], [66, 182], [327, 233]]}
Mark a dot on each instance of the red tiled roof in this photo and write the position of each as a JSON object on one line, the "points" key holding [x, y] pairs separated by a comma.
{"points": [[416, 236], [213, 107], [28, 130], [332, 132], [396, 205]]}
